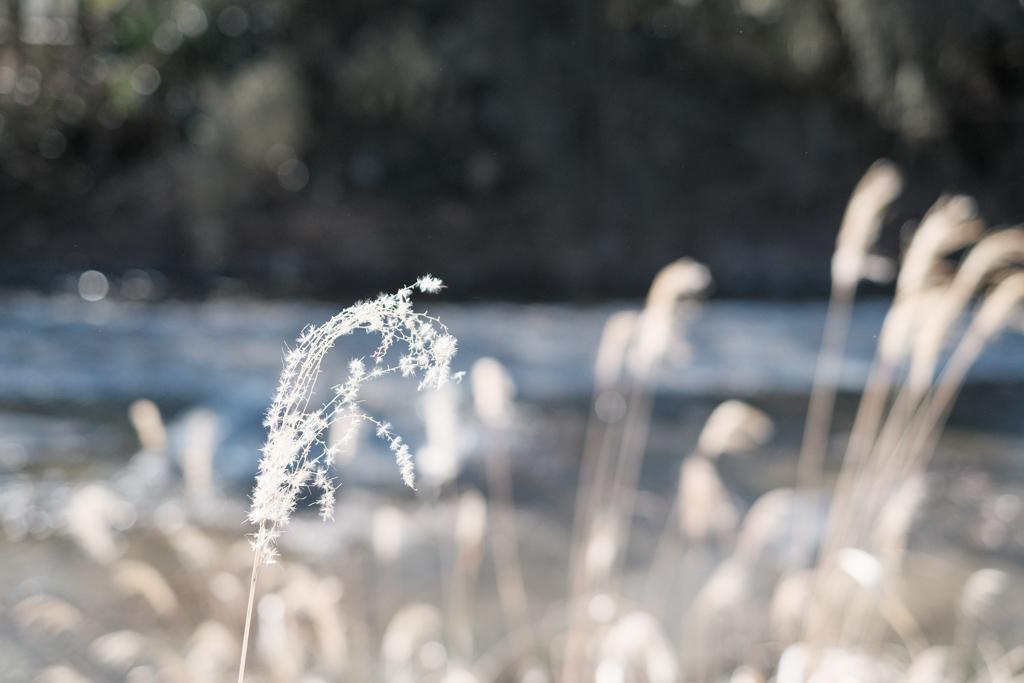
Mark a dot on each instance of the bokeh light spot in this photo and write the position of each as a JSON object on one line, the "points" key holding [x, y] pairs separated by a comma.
{"points": [[145, 79], [192, 20], [232, 21], [293, 175], [201, 131], [93, 285], [167, 38], [52, 144]]}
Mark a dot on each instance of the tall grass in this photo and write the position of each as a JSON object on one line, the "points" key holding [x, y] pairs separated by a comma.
{"points": [[808, 585]]}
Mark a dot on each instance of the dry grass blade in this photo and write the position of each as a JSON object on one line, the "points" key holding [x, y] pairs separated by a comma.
{"points": [[988, 257], [470, 526], [612, 484], [493, 392], [992, 317], [863, 219], [903, 429], [949, 225]]}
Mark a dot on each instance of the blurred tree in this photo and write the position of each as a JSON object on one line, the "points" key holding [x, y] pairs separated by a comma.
{"points": [[566, 146]]}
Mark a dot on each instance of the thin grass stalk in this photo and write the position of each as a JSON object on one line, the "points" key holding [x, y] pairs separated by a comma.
{"points": [[470, 527], [853, 519], [356, 597], [460, 631], [888, 545], [291, 463], [508, 569], [591, 489], [588, 501], [920, 436], [918, 383], [823, 390], [869, 415], [460, 610], [858, 233], [861, 223], [664, 564], [627, 472], [248, 615], [988, 256], [949, 225], [892, 349], [881, 470], [601, 435], [679, 279], [447, 568], [868, 494], [990, 320], [859, 503]]}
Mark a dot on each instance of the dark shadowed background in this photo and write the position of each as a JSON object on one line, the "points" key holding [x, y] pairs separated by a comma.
{"points": [[519, 149]]}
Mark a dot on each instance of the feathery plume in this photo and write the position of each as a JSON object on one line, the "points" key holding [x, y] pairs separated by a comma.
{"points": [[850, 262], [863, 219], [734, 427], [296, 455], [994, 252], [949, 225], [145, 418]]}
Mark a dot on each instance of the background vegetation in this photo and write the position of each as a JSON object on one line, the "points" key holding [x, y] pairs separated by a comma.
{"points": [[520, 149]]}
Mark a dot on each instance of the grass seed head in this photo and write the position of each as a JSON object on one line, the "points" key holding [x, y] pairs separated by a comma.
{"points": [[949, 225], [681, 279], [145, 418], [988, 257], [880, 185], [295, 456], [1000, 304], [734, 427]]}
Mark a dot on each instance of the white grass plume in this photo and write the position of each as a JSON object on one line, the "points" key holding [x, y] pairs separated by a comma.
{"points": [[992, 254], [295, 456], [881, 184], [734, 427]]}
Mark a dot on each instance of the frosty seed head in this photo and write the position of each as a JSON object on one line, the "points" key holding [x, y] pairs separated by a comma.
{"points": [[296, 457]]}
